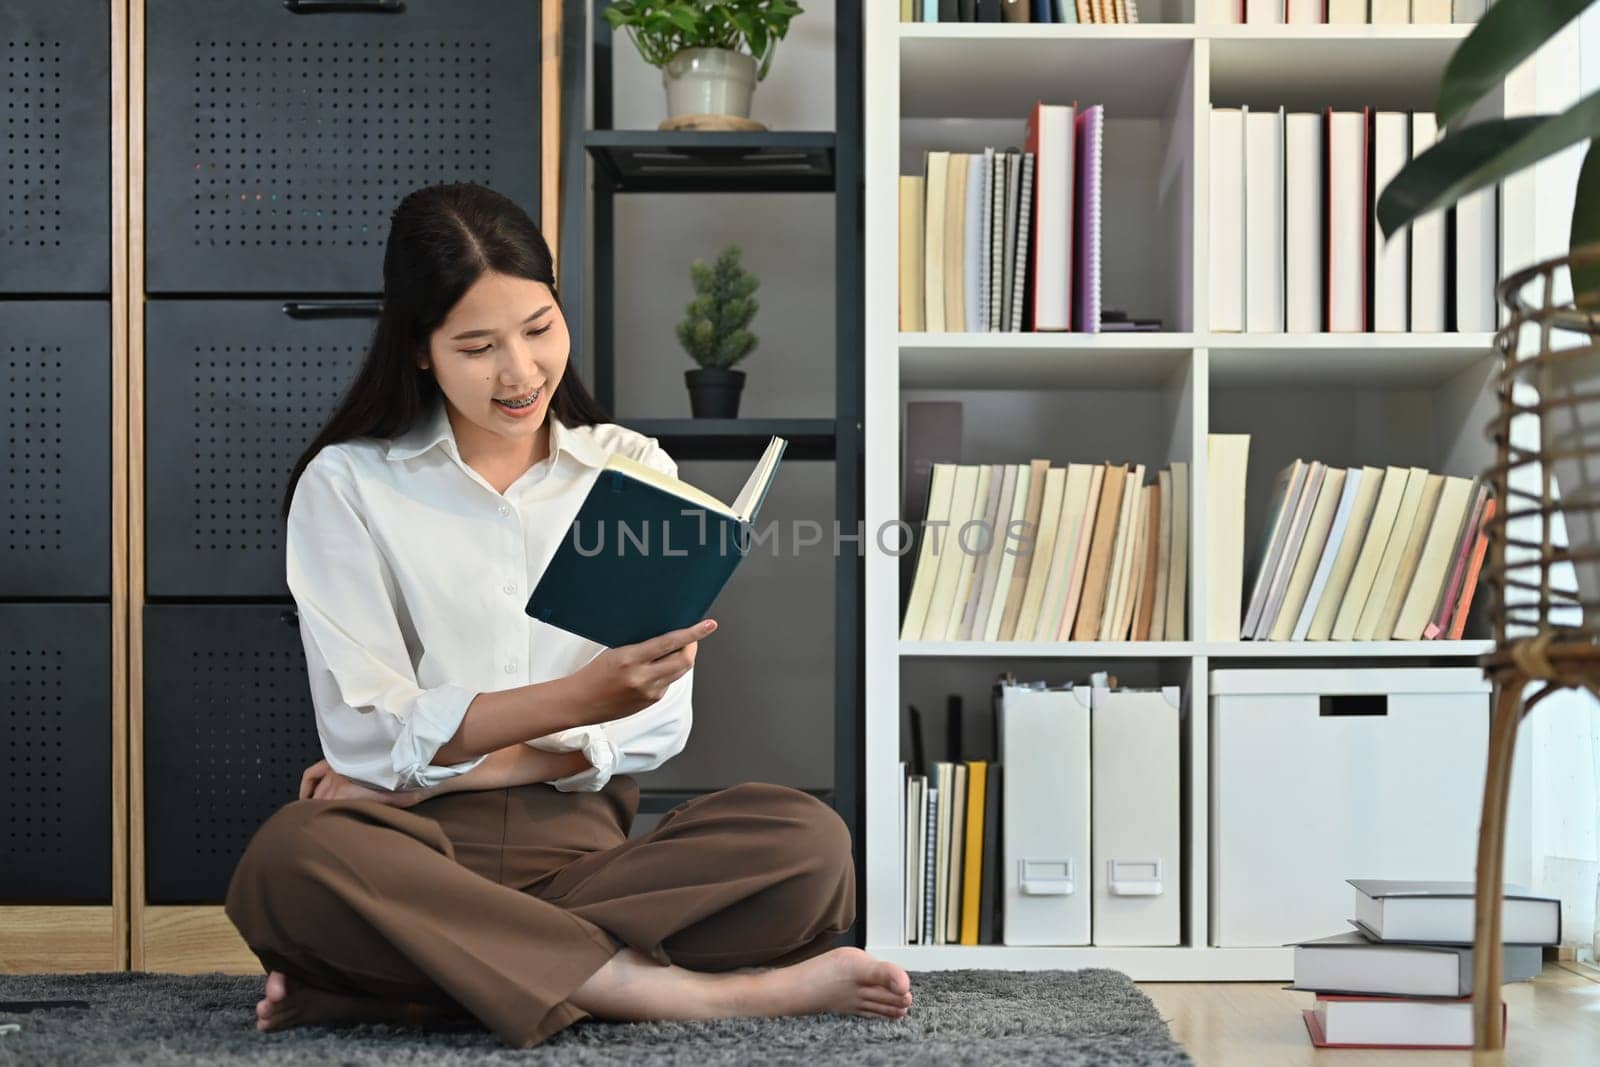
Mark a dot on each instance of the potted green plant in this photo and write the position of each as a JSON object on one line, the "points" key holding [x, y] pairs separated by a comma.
{"points": [[715, 336], [711, 53], [1562, 363]]}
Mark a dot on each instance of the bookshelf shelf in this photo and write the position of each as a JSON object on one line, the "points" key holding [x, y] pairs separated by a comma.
{"points": [[739, 438], [1046, 650], [1312, 70], [1003, 31], [1183, 649], [1344, 649], [1387, 361], [985, 76], [704, 161], [1179, 964], [1349, 399], [1041, 360]]}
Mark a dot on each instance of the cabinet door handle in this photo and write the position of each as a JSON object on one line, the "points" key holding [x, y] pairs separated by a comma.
{"points": [[369, 7], [332, 309]]}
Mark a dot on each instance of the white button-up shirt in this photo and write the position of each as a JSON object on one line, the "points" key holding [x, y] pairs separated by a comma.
{"points": [[411, 572]]}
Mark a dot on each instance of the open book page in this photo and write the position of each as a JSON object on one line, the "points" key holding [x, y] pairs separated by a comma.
{"points": [[633, 468], [755, 489], [750, 497]]}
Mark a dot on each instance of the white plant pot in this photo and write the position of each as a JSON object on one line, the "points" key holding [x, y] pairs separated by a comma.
{"points": [[709, 81]]}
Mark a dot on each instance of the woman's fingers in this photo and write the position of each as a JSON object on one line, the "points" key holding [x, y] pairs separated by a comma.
{"points": [[674, 640]]}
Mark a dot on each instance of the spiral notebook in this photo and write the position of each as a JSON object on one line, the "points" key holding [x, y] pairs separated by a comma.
{"points": [[1020, 262], [1091, 140]]}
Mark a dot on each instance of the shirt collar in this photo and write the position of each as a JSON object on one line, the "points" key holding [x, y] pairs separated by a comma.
{"points": [[434, 428]]}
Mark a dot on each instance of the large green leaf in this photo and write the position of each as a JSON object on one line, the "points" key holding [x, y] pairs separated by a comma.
{"points": [[1479, 155], [1509, 32], [1586, 227]]}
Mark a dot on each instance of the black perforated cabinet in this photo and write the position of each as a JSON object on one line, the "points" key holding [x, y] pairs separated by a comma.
{"points": [[55, 381], [55, 793], [235, 391], [281, 136], [228, 730], [55, 236]]}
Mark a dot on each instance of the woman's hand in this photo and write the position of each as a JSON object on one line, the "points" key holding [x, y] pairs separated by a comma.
{"points": [[322, 782], [625, 679]]}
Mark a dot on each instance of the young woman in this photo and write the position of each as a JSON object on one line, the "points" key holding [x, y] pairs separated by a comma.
{"points": [[464, 847]]}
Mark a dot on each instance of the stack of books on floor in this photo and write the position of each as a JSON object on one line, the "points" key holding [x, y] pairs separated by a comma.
{"points": [[1014, 11], [1031, 552], [1008, 240], [1070, 836], [1403, 977], [1346, 12], [1363, 553], [1295, 245]]}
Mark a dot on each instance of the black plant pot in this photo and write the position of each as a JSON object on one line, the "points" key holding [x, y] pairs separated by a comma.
{"points": [[714, 392]]}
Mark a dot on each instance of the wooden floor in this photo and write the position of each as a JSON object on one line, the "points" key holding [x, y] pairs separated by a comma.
{"points": [[1555, 1019]]}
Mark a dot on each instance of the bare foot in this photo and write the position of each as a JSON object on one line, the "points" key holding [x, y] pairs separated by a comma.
{"points": [[290, 1002], [631, 986], [844, 980]]}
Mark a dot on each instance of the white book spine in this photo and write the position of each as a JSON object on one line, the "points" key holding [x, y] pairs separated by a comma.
{"points": [[1303, 252], [1227, 220], [1347, 220], [1263, 256], [1428, 248], [1475, 260], [1263, 11], [1389, 259]]}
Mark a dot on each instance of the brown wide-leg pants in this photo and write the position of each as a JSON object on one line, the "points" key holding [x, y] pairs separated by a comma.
{"points": [[502, 902]]}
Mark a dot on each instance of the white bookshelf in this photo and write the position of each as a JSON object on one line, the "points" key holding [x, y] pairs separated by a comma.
{"points": [[1149, 398]]}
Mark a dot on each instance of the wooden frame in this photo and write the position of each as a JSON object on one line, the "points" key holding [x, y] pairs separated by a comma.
{"points": [[94, 937], [200, 938]]}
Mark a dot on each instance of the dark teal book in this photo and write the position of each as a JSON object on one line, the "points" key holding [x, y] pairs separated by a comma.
{"points": [[647, 553]]}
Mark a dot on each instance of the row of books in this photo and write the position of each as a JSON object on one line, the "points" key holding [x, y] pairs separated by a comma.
{"points": [[1295, 245], [1031, 552], [1347, 12], [1368, 554], [1056, 11], [1007, 241], [1403, 977], [1070, 837]]}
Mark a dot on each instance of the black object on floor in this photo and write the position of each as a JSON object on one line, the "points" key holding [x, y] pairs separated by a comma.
{"points": [[959, 1017]]}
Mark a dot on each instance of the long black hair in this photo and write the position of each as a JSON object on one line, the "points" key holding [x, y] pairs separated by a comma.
{"points": [[442, 239]]}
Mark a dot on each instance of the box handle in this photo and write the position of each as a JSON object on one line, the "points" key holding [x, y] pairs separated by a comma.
{"points": [[1134, 878], [1353, 704], [1045, 878]]}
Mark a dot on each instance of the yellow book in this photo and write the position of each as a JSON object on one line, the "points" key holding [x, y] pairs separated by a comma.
{"points": [[972, 872]]}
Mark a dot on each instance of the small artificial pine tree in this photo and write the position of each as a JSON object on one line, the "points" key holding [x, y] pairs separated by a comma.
{"points": [[714, 332]]}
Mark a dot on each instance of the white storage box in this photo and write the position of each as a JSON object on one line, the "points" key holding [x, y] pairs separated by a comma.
{"points": [[1135, 843], [1322, 775]]}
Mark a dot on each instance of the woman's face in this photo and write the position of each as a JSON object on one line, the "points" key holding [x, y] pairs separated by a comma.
{"points": [[504, 339]]}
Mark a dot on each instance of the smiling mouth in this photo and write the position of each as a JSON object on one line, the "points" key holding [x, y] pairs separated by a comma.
{"points": [[523, 402]]}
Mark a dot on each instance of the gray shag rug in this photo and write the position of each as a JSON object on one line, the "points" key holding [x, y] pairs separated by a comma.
{"points": [[960, 1017]]}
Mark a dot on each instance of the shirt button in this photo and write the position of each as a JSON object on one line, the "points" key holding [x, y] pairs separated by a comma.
{"points": [[511, 668], [505, 510], [511, 587]]}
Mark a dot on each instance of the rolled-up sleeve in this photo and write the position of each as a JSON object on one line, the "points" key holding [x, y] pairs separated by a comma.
{"points": [[377, 725], [635, 743]]}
